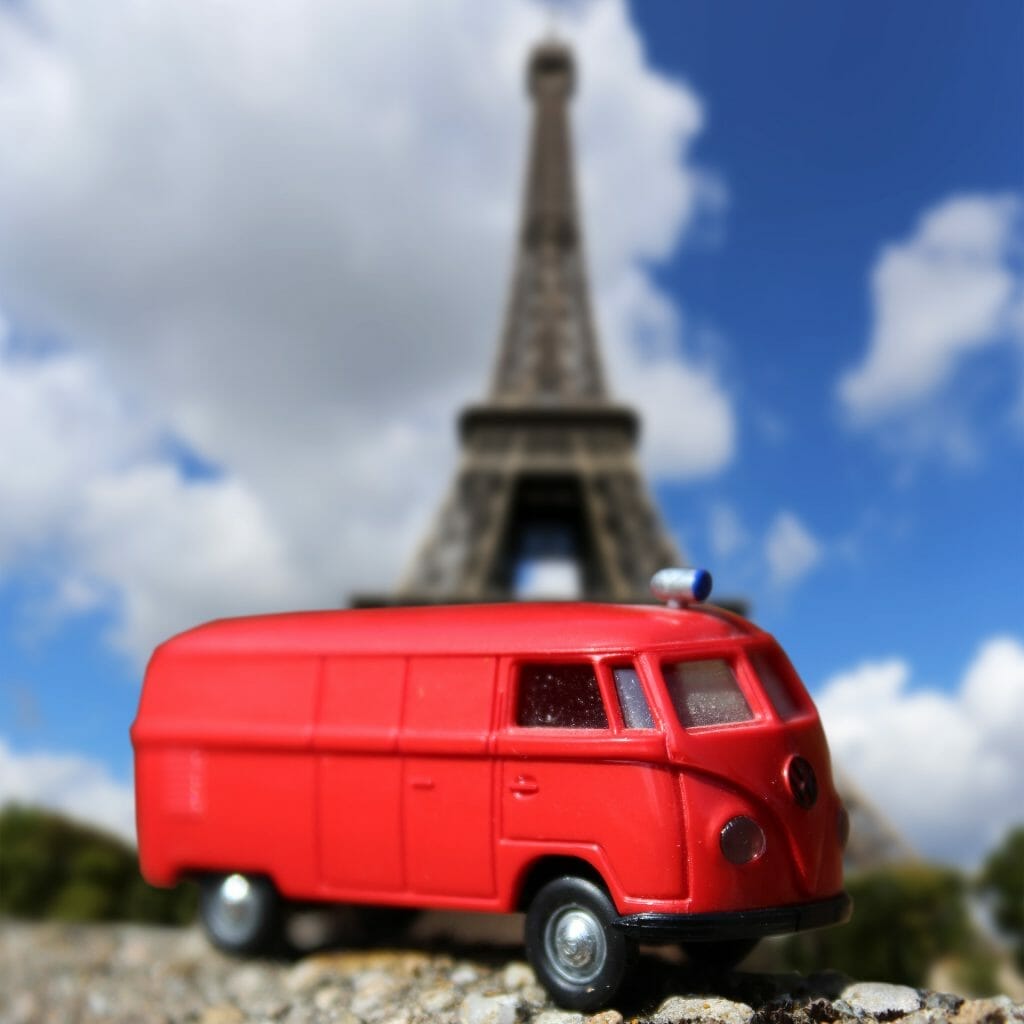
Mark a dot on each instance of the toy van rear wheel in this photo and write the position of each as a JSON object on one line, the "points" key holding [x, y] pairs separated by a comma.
{"points": [[241, 913], [575, 950], [721, 956]]}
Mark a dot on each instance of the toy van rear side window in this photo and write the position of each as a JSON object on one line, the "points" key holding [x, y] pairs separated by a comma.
{"points": [[705, 693], [559, 697], [632, 702]]}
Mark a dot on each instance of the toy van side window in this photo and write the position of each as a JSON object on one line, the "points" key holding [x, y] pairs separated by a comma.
{"points": [[559, 696], [705, 693], [635, 712]]}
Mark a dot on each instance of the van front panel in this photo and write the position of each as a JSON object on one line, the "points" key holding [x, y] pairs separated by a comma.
{"points": [[736, 741]]}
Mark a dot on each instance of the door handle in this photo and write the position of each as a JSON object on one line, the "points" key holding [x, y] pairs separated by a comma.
{"points": [[525, 785], [421, 782]]}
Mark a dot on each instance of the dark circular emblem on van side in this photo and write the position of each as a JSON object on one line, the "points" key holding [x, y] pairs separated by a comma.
{"points": [[802, 782]]}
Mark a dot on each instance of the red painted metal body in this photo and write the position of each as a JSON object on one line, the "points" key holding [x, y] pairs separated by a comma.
{"points": [[376, 757]]}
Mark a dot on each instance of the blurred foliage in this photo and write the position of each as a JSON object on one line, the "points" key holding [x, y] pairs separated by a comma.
{"points": [[51, 867], [1002, 883], [906, 918], [976, 973]]}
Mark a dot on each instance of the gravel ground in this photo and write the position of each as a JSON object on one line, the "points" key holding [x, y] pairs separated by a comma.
{"points": [[69, 974]]}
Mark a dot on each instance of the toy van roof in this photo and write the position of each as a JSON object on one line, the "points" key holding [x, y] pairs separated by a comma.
{"points": [[525, 628]]}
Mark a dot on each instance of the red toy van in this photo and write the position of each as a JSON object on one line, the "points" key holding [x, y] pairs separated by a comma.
{"points": [[622, 774]]}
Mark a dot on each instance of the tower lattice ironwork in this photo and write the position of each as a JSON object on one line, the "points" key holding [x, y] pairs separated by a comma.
{"points": [[548, 469], [548, 496]]}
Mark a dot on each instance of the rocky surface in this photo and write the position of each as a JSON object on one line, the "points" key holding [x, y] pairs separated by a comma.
{"points": [[67, 974]]}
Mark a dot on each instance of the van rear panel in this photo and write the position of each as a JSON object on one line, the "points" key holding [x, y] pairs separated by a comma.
{"points": [[223, 773], [208, 809]]}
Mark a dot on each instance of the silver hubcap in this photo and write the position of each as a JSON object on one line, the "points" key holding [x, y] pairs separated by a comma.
{"points": [[575, 944], [237, 908]]}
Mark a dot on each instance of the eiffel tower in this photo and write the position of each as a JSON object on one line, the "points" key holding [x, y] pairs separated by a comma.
{"points": [[548, 471], [548, 499]]}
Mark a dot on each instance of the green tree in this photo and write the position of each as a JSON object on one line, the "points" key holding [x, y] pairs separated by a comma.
{"points": [[905, 918], [1002, 881], [51, 867]]}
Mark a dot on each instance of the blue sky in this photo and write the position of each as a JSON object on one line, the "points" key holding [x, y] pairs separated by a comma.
{"points": [[251, 267], [837, 127]]}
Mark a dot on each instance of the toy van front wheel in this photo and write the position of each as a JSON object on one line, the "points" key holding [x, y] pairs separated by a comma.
{"points": [[241, 913], [572, 945]]}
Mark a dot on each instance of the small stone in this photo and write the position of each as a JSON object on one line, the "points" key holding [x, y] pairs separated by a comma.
{"points": [[944, 1001], [677, 1009], [305, 976], [558, 1017], [464, 975], [134, 951], [402, 1017], [478, 1009], [606, 1017], [98, 1004], [518, 976], [374, 991], [438, 999], [534, 996], [997, 1010], [821, 1011], [881, 999], [193, 946], [268, 1007], [24, 1008], [300, 1015], [224, 1014], [925, 1016], [246, 982], [327, 999]]}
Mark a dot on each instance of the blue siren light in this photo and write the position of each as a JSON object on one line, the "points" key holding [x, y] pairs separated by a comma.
{"points": [[677, 587]]}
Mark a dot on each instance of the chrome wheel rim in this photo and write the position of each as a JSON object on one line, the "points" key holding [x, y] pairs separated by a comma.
{"points": [[575, 944], [236, 908]]}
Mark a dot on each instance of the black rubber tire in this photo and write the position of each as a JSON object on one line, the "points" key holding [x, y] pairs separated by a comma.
{"points": [[719, 957], [576, 902], [251, 923]]}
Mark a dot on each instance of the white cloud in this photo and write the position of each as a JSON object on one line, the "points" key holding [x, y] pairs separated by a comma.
{"points": [[178, 553], [83, 476], [790, 549], [689, 424], [945, 769], [76, 786], [949, 290], [283, 231], [726, 530], [60, 427], [91, 482]]}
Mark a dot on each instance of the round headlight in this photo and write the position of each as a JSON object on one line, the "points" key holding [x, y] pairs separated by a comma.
{"points": [[742, 840]]}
